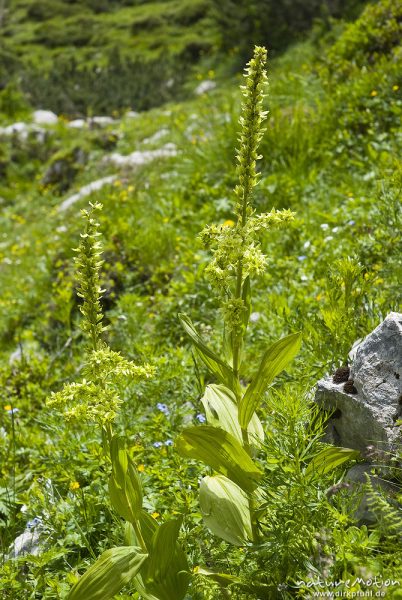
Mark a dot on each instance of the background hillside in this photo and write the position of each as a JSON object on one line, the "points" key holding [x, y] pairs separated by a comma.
{"points": [[83, 56]]}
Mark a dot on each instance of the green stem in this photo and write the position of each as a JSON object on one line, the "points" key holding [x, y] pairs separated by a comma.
{"points": [[237, 339]]}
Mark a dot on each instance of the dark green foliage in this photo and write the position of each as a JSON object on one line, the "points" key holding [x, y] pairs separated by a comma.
{"points": [[331, 153], [274, 23], [78, 57], [375, 35]]}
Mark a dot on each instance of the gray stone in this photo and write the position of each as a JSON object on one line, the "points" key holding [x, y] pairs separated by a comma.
{"points": [[205, 86], [369, 417], [87, 190], [357, 477], [29, 542], [44, 117]]}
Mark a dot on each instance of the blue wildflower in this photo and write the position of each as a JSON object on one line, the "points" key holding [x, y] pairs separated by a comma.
{"points": [[201, 418], [157, 444], [169, 443], [163, 408]]}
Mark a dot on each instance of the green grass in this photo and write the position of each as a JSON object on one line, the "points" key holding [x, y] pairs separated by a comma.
{"points": [[330, 153]]}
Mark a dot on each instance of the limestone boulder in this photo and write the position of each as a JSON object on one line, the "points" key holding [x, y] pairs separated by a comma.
{"points": [[367, 408]]}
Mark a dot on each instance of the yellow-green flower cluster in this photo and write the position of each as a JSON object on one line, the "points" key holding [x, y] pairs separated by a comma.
{"points": [[239, 243], [236, 249], [88, 264], [111, 367], [251, 120], [86, 401], [96, 397]]}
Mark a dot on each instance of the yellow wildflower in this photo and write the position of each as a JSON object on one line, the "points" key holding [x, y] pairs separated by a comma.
{"points": [[8, 407], [141, 468], [228, 223], [74, 485], [155, 515], [395, 88], [374, 93]]}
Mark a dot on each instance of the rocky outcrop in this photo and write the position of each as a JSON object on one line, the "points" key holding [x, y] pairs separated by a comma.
{"points": [[367, 408]]}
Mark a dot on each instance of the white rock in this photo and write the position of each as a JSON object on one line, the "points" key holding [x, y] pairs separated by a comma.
{"points": [[139, 158], [132, 114], [44, 117], [77, 124], [377, 367], [205, 86], [29, 541], [156, 136], [19, 129], [15, 356], [22, 130], [86, 191], [368, 417], [102, 121]]}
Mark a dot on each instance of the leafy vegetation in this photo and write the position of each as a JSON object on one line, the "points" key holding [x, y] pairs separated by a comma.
{"points": [[107, 491], [80, 57]]}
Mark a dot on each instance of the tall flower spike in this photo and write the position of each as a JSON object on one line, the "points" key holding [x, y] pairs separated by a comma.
{"points": [[252, 117], [88, 264]]}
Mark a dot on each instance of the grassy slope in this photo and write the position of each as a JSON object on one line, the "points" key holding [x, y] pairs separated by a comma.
{"points": [[61, 51], [330, 154]]}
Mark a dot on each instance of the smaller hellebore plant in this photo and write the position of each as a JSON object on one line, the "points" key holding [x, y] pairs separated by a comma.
{"points": [[151, 559]]}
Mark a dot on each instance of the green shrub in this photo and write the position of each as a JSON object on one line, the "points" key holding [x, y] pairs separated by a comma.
{"points": [[376, 34]]}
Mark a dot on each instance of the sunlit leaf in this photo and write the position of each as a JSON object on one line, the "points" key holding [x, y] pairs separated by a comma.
{"points": [[222, 452], [214, 363], [221, 411], [124, 484], [275, 359], [328, 459], [112, 571], [225, 510]]}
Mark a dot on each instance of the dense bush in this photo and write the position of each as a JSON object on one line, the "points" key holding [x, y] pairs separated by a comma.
{"points": [[274, 23], [372, 37], [72, 87]]}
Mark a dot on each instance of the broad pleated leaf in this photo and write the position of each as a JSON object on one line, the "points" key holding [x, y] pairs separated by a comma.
{"points": [[275, 359], [225, 510], [124, 484], [165, 575], [163, 549], [214, 363], [330, 458], [106, 577], [222, 452], [221, 411], [224, 579]]}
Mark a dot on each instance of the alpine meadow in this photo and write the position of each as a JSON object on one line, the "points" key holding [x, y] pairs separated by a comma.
{"points": [[200, 299]]}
